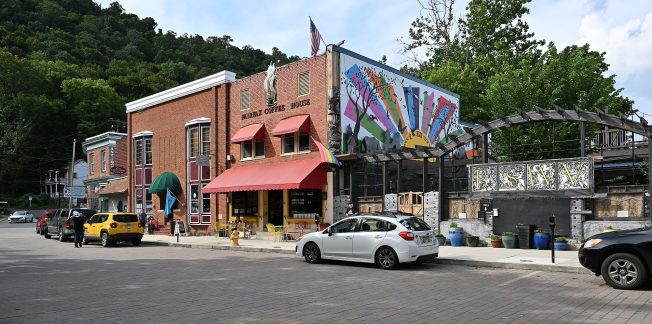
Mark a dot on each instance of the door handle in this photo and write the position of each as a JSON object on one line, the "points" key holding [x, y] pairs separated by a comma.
{"points": [[378, 236], [348, 238]]}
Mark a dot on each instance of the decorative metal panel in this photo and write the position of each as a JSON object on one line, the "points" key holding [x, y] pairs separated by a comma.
{"points": [[390, 202]]}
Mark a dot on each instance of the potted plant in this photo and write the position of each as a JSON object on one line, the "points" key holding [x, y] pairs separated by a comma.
{"points": [[496, 241], [509, 241], [561, 243], [472, 240], [441, 239], [541, 239], [456, 235]]}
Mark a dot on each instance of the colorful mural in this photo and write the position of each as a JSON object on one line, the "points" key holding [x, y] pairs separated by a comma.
{"points": [[383, 110]]}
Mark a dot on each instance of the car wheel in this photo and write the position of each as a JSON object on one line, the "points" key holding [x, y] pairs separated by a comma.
{"points": [[135, 242], [62, 238], [311, 253], [105, 239], [386, 258], [84, 240], [45, 233], [624, 271]]}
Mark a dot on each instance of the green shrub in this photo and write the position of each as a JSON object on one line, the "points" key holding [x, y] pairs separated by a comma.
{"points": [[561, 239], [495, 237], [508, 234]]}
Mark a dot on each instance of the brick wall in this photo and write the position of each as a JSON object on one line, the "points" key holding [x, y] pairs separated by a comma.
{"points": [[167, 123], [287, 85]]}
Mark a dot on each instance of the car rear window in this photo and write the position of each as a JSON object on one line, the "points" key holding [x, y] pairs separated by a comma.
{"points": [[415, 224], [125, 218], [88, 213]]}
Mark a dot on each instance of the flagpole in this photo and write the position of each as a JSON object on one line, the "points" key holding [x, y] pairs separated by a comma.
{"points": [[320, 36]]}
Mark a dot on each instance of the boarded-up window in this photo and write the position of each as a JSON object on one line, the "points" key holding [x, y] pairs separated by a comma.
{"points": [[304, 83], [244, 99]]}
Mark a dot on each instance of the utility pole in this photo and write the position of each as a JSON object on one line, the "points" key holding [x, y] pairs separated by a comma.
{"points": [[71, 172]]}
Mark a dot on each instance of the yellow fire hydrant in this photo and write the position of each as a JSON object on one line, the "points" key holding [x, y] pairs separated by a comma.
{"points": [[235, 236]]}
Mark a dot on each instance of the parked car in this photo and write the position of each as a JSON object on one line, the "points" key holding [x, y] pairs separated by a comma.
{"points": [[386, 239], [110, 228], [60, 225], [21, 216], [623, 258], [40, 223]]}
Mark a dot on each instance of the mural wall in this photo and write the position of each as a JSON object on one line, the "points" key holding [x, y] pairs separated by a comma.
{"points": [[382, 110]]}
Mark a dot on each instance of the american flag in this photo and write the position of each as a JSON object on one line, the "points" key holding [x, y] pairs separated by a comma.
{"points": [[315, 37]]}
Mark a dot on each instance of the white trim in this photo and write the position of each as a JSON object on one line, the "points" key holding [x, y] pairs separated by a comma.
{"points": [[143, 133], [104, 134], [201, 120], [181, 91]]}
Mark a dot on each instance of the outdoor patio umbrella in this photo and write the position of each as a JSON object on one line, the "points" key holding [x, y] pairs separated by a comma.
{"points": [[166, 180]]}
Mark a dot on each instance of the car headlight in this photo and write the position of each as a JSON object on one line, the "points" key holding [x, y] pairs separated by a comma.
{"points": [[592, 243]]}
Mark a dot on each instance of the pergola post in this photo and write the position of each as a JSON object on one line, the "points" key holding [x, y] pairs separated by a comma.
{"points": [[384, 184], [582, 139]]}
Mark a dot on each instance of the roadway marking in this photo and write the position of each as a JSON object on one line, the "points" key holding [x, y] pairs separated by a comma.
{"points": [[518, 278]]}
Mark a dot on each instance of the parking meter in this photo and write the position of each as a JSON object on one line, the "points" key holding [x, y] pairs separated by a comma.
{"points": [[552, 223]]}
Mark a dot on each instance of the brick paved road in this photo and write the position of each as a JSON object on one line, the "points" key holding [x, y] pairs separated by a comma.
{"points": [[48, 281]]}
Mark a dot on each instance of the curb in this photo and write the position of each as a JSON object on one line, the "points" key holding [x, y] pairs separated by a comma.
{"points": [[447, 261], [219, 247], [517, 266]]}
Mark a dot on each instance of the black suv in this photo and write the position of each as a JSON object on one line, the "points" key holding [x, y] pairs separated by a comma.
{"points": [[624, 258]]}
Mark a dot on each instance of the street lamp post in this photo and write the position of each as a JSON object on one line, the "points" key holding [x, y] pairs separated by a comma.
{"points": [[552, 224]]}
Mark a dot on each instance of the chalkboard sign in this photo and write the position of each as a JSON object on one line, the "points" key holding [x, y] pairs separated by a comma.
{"points": [[182, 227]]}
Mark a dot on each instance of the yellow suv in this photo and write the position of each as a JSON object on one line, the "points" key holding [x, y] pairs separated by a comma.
{"points": [[110, 228]]}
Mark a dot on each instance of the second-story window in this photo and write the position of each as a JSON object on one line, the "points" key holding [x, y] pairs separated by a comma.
{"points": [[303, 82], [296, 143], [198, 138], [142, 173], [91, 163], [148, 151], [103, 160], [252, 149], [244, 99]]}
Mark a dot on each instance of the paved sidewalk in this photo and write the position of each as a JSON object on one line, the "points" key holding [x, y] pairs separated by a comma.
{"points": [[565, 261]]}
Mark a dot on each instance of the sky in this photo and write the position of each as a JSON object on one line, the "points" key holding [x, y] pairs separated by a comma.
{"points": [[622, 29]]}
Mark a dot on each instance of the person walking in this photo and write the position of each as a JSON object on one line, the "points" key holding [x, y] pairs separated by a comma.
{"points": [[78, 221], [142, 218]]}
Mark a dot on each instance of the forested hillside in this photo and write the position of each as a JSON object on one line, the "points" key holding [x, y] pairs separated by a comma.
{"points": [[67, 68]]}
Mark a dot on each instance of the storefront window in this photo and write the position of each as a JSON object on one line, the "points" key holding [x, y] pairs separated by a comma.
{"points": [[142, 173], [305, 203], [194, 199], [199, 142], [245, 203]]}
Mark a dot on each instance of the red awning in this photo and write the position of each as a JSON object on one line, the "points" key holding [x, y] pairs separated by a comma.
{"points": [[300, 174], [254, 131], [292, 125]]}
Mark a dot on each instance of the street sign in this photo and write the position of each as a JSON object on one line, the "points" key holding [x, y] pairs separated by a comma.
{"points": [[118, 170], [203, 159], [74, 192]]}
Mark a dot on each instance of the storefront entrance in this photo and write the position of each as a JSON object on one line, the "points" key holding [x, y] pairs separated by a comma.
{"points": [[275, 207]]}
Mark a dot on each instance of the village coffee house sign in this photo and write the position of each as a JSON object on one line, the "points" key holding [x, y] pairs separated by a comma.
{"points": [[271, 91], [574, 175]]}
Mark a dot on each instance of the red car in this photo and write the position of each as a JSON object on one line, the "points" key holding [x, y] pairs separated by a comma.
{"points": [[40, 224]]}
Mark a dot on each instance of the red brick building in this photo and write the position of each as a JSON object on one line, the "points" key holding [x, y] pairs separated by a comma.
{"points": [[248, 147], [106, 155]]}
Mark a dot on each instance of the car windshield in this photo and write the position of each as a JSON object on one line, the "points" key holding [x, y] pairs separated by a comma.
{"points": [[88, 213], [20, 213], [125, 218], [414, 224]]}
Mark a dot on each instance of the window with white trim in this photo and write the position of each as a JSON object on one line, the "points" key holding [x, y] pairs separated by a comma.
{"points": [[198, 139], [91, 163], [142, 174], [303, 83], [103, 160], [252, 149], [298, 142]]}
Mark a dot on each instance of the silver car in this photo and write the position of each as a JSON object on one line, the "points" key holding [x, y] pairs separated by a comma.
{"points": [[386, 239], [21, 216]]}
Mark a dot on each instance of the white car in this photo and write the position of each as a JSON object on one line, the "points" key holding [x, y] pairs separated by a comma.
{"points": [[386, 239], [21, 216]]}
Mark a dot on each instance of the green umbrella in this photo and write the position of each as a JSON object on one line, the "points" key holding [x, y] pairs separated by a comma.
{"points": [[166, 180]]}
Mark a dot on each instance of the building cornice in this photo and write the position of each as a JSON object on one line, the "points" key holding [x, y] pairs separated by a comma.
{"points": [[181, 91]]}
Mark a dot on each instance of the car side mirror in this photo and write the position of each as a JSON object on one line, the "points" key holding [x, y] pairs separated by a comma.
{"points": [[330, 232]]}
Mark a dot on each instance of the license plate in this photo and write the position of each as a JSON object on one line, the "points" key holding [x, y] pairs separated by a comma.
{"points": [[128, 226], [426, 239]]}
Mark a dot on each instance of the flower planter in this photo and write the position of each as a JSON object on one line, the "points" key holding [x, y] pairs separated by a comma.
{"points": [[496, 244], [542, 241], [457, 236], [561, 246], [509, 242], [472, 241], [441, 240]]}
